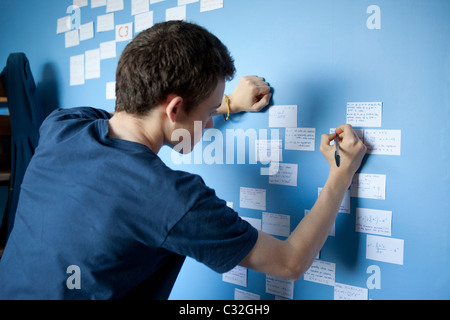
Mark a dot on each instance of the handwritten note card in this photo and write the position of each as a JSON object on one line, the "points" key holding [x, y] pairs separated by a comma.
{"points": [[92, 64], [373, 221], [302, 139], [369, 186], [279, 286], [386, 142], [384, 249], [364, 114], [321, 272], [176, 13], [286, 175], [346, 292], [276, 224], [245, 295], [269, 150], [252, 198], [283, 116], [237, 275]]}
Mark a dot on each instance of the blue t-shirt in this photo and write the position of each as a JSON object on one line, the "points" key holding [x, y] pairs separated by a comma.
{"points": [[103, 218]]}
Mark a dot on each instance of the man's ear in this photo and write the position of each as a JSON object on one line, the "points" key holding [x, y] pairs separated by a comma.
{"points": [[174, 105]]}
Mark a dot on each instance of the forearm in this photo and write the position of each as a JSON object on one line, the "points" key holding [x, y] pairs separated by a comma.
{"points": [[311, 233]]}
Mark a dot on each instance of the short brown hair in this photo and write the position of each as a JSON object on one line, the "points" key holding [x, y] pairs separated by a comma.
{"points": [[172, 57]]}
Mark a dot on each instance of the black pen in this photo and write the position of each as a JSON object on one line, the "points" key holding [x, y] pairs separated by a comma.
{"points": [[337, 157]]}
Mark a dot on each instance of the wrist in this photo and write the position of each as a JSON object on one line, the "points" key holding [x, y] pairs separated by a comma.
{"points": [[339, 179]]}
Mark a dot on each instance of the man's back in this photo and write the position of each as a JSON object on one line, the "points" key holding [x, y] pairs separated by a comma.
{"points": [[103, 218]]}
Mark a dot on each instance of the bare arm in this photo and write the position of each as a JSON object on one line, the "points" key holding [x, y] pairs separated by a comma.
{"points": [[293, 257]]}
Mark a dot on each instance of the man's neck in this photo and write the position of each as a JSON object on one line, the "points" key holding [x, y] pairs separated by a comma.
{"points": [[143, 130]]}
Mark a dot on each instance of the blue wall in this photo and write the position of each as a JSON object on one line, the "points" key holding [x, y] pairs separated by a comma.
{"points": [[318, 55]]}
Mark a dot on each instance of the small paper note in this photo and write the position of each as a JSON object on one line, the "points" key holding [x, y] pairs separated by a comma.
{"points": [[237, 275], [252, 198], [124, 32], [286, 175], [72, 38], [364, 114], [110, 90], [87, 31], [114, 5], [321, 272], [139, 6], [63, 24], [302, 139], [283, 116], [346, 292], [279, 286], [105, 22], [92, 64], [276, 224], [108, 50], [176, 13], [384, 249], [386, 142], [245, 295], [208, 5], [369, 186], [143, 21], [77, 70], [373, 221]]}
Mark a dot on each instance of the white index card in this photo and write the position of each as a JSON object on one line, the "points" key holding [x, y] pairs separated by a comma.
{"points": [[279, 286], [302, 139], [63, 24], [176, 13], [124, 32], [143, 21], [80, 3], [255, 223], [108, 50], [183, 2], [373, 221], [77, 70], [208, 5], [346, 292], [87, 31], [92, 64], [105, 22], [276, 224], [369, 186], [237, 275], [139, 6], [245, 295], [321, 272], [252, 198], [98, 3], [269, 150], [110, 90], [156, 1], [384, 249], [287, 175], [114, 5], [386, 142], [283, 116], [72, 38], [345, 204], [364, 114]]}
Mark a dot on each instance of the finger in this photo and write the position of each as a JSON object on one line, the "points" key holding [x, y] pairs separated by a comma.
{"points": [[327, 138], [261, 90], [264, 101]]}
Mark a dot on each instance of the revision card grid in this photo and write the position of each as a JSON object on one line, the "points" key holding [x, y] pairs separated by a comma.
{"points": [[87, 65], [377, 224]]}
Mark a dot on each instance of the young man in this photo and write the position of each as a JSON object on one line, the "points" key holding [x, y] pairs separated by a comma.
{"points": [[101, 217]]}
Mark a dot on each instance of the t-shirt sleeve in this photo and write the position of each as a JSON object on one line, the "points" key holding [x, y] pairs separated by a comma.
{"points": [[213, 234]]}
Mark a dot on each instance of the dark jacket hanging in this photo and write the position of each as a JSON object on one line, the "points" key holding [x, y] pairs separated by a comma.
{"points": [[26, 117]]}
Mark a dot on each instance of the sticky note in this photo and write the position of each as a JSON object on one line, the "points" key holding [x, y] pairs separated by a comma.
{"points": [[302, 139], [369, 186], [237, 275], [384, 142], [286, 175], [279, 286], [347, 292], [77, 70]]}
